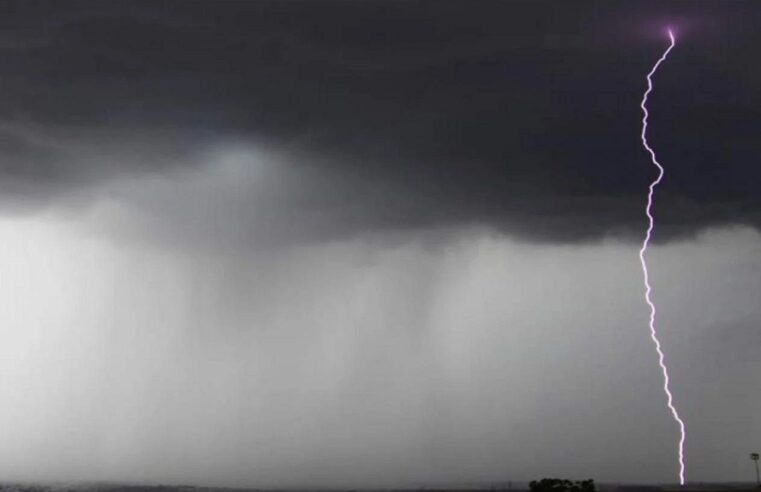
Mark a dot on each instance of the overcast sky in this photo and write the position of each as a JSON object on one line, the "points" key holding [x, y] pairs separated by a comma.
{"points": [[375, 243]]}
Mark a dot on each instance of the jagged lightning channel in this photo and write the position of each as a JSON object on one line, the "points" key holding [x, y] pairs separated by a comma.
{"points": [[645, 243]]}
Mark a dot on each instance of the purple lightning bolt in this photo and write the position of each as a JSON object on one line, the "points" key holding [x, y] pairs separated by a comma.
{"points": [[648, 289]]}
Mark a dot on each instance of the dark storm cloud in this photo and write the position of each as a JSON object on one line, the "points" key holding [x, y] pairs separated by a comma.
{"points": [[520, 116]]}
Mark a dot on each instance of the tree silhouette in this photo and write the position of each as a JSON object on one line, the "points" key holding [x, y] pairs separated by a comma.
{"points": [[560, 485]]}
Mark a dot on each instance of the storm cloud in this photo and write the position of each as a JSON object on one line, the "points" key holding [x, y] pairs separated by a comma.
{"points": [[523, 118]]}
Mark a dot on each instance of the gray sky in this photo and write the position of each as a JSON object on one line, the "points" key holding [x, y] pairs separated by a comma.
{"points": [[374, 244]]}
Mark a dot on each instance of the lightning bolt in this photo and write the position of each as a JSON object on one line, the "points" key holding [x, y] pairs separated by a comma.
{"points": [[645, 243]]}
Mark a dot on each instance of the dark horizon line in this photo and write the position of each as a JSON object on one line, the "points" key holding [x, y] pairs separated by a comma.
{"points": [[487, 485]]}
